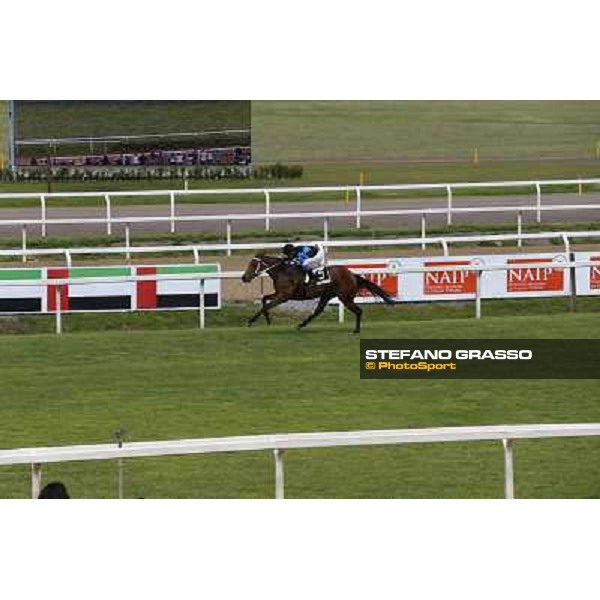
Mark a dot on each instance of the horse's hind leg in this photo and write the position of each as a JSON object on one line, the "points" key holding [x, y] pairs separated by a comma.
{"points": [[320, 308], [354, 308]]}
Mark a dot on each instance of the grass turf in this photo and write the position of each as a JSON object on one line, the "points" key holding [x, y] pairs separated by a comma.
{"points": [[230, 380], [77, 118], [344, 131]]}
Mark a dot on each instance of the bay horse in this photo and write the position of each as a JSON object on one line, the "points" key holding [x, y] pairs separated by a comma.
{"points": [[289, 284]]}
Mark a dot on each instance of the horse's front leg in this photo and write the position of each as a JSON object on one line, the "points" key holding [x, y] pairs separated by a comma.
{"points": [[266, 307], [265, 311]]}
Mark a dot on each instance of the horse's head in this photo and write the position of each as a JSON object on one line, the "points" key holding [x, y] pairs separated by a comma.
{"points": [[259, 264]]}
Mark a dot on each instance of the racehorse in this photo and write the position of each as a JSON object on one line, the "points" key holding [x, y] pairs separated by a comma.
{"points": [[289, 284]]}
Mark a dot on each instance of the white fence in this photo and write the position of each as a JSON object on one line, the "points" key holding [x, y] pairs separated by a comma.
{"points": [[59, 283], [325, 217], [279, 443], [564, 237]]}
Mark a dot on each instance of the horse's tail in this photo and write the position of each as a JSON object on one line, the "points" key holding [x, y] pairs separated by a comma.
{"points": [[374, 289]]}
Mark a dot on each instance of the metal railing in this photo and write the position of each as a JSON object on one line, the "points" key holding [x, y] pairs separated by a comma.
{"points": [[268, 215], [60, 283], [564, 237], [280, 443]]}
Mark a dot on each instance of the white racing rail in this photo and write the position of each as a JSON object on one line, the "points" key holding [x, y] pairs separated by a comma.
{"points": [[267, 194], [565, 237], [59, 283], [280, 443]]}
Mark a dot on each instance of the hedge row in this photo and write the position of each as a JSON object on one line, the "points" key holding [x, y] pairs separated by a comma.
{"points": [[277, 171]]}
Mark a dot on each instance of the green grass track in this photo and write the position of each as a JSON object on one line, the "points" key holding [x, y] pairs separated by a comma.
{"points": [[230, 380]]}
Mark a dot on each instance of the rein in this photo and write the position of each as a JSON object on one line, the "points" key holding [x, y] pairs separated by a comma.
{"points": [[260, 261]]}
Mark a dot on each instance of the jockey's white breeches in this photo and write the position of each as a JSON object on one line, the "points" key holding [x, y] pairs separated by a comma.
{"points": [[317, 261]]}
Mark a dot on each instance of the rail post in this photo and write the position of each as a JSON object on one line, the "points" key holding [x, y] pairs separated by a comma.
{"points": [[358, 206], [196, 254], [108, 222], [445, 247], [520, 229], [325, 229], [423, 231], [267, 210], [340, 312], [24, 242], [119, 437], [58, 299], [201, 307], [172, 198], [572, 283], [228, 237], [127, 241], [43, 213], [538, 202], [449, 209], [279, 475], [36, 480], [509, 478], [478, 274]]}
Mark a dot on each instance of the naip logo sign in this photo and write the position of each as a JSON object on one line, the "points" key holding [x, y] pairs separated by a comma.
{"points": [[544, 278], [448, 281], [595, 273]]}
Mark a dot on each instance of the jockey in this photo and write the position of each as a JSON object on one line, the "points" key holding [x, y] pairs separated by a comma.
{"points": [[309, 257]]}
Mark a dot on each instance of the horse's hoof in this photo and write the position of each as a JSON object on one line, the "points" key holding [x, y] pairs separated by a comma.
{"points": [[301, 326], [249, 322]]}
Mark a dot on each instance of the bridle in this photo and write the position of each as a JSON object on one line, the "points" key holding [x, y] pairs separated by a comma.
{"points": [[262, 267]]}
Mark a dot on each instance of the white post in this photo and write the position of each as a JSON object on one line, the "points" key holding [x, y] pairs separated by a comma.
{"points": [[509, 480], [36, 480], [120, 478], [538, 191], [358, 205], [127, 241], [202, 315], [445, 247], [449, 212], [567, 243], [24, 242], [196, 255], [325, 229], [228, 237], [58, 309], [172, 195], [108, 223], [423, 231], [519, 229], [267, 210], [478, 294], [279, 480], [340, 312], [43, 206]]}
